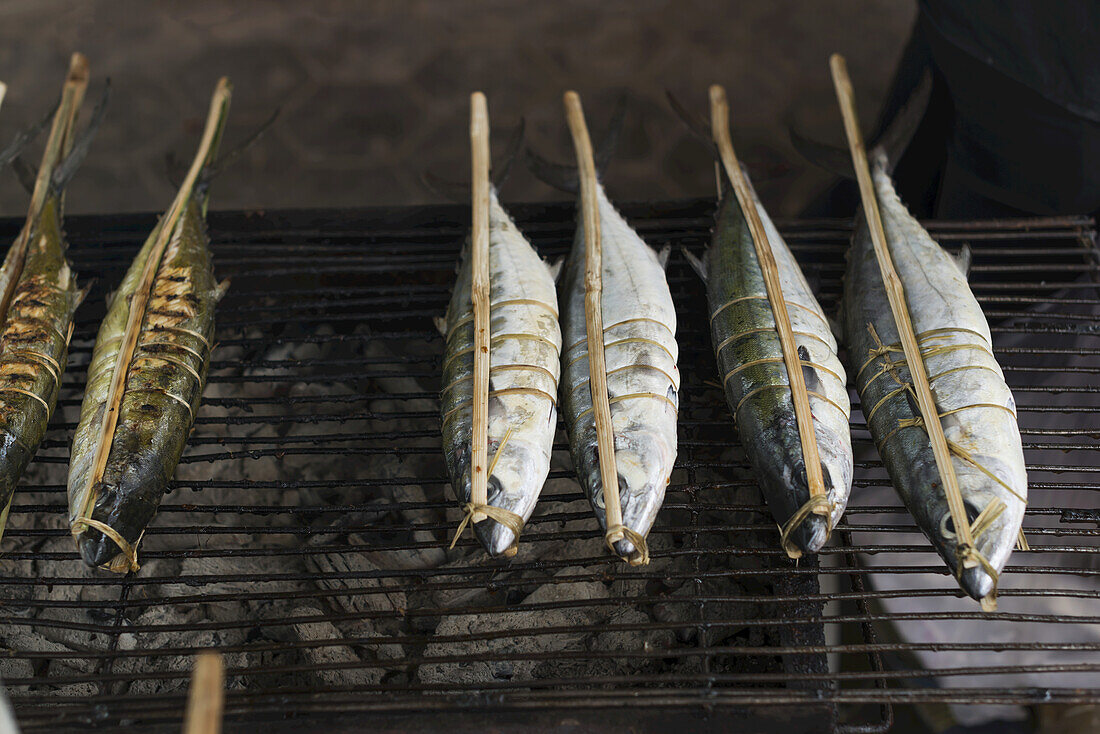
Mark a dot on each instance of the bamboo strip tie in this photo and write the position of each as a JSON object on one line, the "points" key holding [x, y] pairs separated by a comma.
{"points": [[818, 502], [207, 697], [593, 316], [479, 295], [215, 122], [968, 555]]}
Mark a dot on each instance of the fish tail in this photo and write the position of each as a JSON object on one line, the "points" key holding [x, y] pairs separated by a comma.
{"points": [[459, 191], [564, 176], [885, 151], [213, 167]]}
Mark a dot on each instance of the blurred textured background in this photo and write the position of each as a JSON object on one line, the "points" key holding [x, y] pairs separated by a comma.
{"points": [[372, 93]]}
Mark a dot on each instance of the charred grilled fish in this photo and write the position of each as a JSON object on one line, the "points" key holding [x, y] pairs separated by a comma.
{"points": [[523, 378], [147, 374], [976, 407], [640, 349], [39, 297], [754, 376]]}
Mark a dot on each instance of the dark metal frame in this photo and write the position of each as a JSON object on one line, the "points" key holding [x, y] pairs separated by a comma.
{"points": [[380, 274]]}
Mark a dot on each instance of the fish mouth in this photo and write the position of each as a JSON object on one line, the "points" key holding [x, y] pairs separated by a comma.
{"points": [[976, 582], [629, 552], [96, 549], [811, 534], [497, 540]]}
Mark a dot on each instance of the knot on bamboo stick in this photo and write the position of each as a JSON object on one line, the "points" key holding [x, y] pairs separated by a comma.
{"points": [[818, 504], [507, 518], [620, 532], [129, 552], [968, 556]]}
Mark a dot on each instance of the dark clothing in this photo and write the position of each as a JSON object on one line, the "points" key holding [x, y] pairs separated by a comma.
{"points": [[1012, 126]]}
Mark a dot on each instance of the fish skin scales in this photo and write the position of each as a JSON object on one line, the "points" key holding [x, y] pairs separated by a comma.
{"points": [[754, 376], [163, 388], [643, 381], [525, 344], [967, 383]]}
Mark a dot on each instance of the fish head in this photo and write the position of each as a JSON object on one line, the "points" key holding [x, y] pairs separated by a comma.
{"points": [[994, 539], [519, 471], [643, 460]]}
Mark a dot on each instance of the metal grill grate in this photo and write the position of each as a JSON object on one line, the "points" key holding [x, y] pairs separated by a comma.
{"points": [[306, 529]]}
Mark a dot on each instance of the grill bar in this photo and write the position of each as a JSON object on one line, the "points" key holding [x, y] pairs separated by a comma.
{"points": [[324, 581]]}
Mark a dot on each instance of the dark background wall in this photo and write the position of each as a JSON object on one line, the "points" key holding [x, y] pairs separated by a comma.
{"points": [[374, 92]]}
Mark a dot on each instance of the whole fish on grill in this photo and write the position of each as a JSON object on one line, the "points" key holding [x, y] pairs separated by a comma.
{"points": [[641, 351], [976, 407], [754, 376], [147, 373], [525, 347], [38, 292]]}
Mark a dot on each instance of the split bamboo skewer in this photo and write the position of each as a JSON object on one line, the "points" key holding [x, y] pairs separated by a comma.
{"points": [[207, 697], [479, 295], [215, 121], [593, 315], [818, 502], [895, 292]]}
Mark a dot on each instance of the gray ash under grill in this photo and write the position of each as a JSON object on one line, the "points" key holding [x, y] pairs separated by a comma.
{"points": [[307, 528]]}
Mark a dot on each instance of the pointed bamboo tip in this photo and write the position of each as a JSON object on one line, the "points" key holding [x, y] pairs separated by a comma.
{"points": [[571, 99], [78, 69], [717, 94], [3, 91]]}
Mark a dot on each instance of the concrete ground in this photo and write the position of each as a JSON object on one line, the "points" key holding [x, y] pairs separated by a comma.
{"points": [[373, 93]]}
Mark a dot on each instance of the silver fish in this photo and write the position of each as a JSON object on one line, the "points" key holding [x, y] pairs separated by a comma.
{"points": [[754, 376], [642, 380], [523, 378], [976, 407]]}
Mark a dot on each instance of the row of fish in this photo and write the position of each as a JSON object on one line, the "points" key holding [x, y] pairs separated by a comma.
{"points": [[151, 353], [531, 354]]}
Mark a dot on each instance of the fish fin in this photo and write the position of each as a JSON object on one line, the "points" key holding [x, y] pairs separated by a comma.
{"points": [[456, 191], [964, 259], [459, 191], [11, 154], [809, 374], [663, 255], [83, 293], [564, 176], [836, 328], [696, 125], [833, 159], [440, 325], [698, 264], [221, 289], [889, 146], [24, 173], [555, 267], [899, 132], [83, 143], [174, 169], [500, 171]]}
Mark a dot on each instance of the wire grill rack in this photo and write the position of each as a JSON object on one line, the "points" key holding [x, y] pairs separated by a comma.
{"points": [[305, 532]]}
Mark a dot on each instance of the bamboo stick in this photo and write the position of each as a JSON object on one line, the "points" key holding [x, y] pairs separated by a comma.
{"points": [[207, 697], [895, 292], [593, 315], [3, 92], [215, 122], [719, 115], [479, 295]]}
